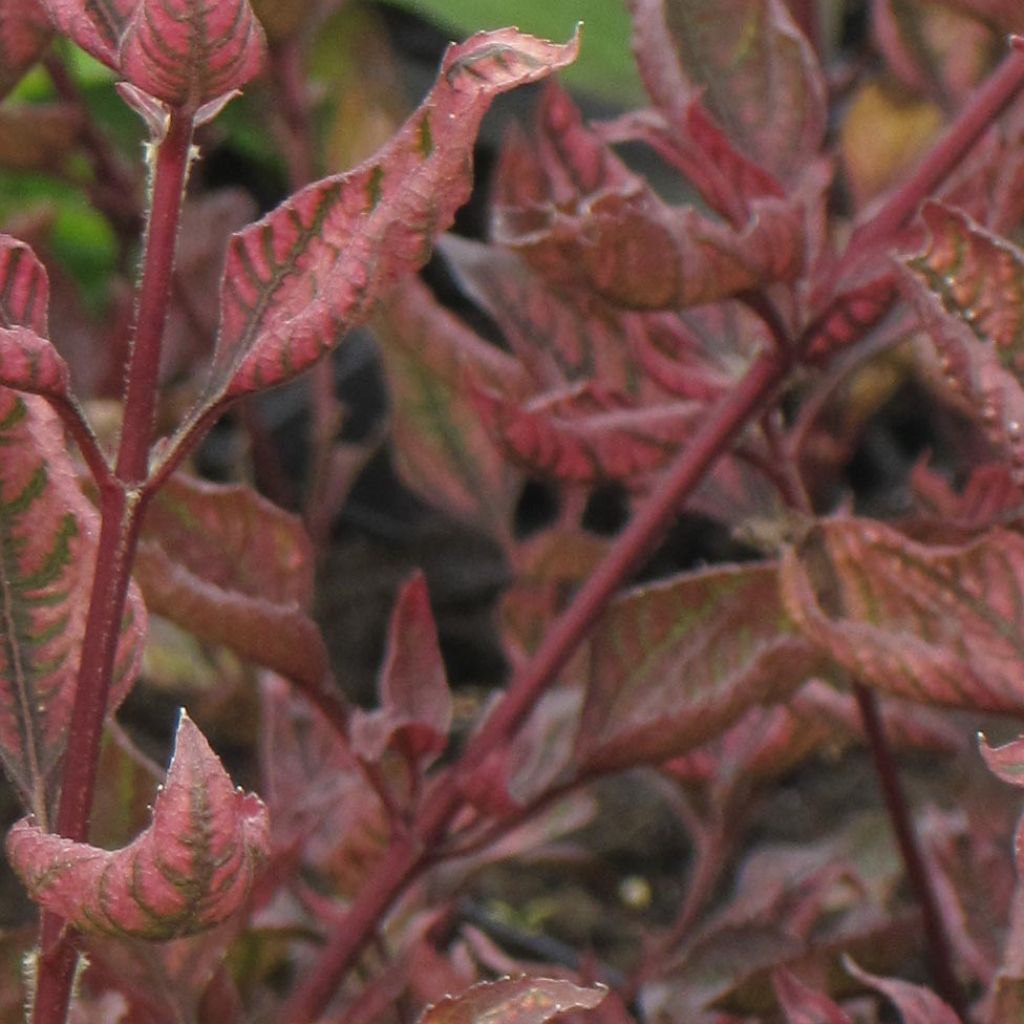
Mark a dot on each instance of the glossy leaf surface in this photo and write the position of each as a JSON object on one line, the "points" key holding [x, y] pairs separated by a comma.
{"points": [[760, 79], [513, 1001], [938, 624], [297, 280], [675, 663], [94, 25], [234, 569], [188, 53], [28, 361], [189, 871], [416, 704], [25, 33], [48, 534]]}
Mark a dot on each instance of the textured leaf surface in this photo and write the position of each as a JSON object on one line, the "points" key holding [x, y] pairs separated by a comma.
{"points": [[416, 704], [513, 1001], [48, 536], [940, 625], [760, 79], [297, 280], [189, 871], [234, 569], [917, 1005], [584, 220], [25, 32], [95, 25], [28, 361], [187, 53], [675, 663], [443, 451]]}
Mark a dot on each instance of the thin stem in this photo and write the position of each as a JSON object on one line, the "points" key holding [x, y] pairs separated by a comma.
{"points": [[410, 854], [122, 500], [939, 951]]}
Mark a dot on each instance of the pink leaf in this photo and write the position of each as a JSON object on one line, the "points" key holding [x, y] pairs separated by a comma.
{"points": [[28, 361], [48, 533], [583, 219], [675, 663], [187, 52], [25, 33], [755, 72], [513, 1001], [94, 25], [189, 871], [416, 704], [1006, 761], [938, 624], [802, 1004], [234, 569], [917, 1005], [297, 280], [443, 451]]}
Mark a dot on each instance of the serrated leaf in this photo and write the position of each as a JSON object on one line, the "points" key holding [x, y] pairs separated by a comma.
{"points": [[189, 871], [443, 451], [757, 75], [583, 220], [513, 1001], [416, 704], [94, 25], [28, 361], [917, 1005], [48, 533], [587, 435], [234, 569], [317, 266], [938, 624], [675, 663], [803, 1004], [25, 32], [187, 52]]}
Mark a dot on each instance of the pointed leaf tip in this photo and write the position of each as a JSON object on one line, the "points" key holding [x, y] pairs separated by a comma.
{"points": [[188, 53], [514, 1001], [1006, 761], [189, 871]]}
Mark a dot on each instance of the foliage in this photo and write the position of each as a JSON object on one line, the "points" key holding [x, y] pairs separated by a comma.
{"points": [[708, 300]]}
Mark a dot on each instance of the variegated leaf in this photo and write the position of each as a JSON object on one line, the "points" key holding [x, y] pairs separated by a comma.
{"points": [[937, 624], [675, 663], [25, 32], [756, 74], [189, 871], [94, 25], [28, 361], [190, 52], [297, 280], [48, 533], [232, 568], [513, 1001]]}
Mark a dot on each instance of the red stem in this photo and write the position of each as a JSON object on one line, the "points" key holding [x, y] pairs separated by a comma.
{"points": [[122, 497], [410, 855]]}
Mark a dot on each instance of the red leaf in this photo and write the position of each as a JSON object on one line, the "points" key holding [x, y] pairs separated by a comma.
{"points": [[28, 361], [676, 663], [94, 25], [297, 280], [25, 33], [416, 704], [48, 533], [755, 73], [234, 569], [513, 1001], [187, 52], [917, 1005], [584, 220], [587, 435], [1006, 761], [938, 624], [443, 451], [802, 1004], [190, 870]]}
